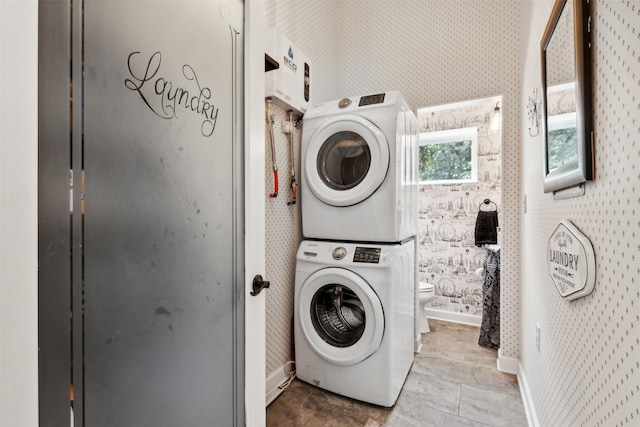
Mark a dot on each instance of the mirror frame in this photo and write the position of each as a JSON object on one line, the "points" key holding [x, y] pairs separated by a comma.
{"points": [[574, 174]]}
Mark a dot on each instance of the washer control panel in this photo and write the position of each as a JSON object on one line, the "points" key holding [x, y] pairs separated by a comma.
{"points": [[368, 255]]}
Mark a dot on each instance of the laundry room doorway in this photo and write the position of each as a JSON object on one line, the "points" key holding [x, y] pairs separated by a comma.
{"points": [[143, 266], [460, 168]]}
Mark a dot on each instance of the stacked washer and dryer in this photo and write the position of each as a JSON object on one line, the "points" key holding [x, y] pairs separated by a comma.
{"points": [[354, 299]]}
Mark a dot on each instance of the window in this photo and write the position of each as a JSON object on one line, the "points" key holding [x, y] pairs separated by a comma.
{"points": [[448, 156]]}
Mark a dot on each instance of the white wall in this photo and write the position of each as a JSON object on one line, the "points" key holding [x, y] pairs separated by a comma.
{"points": [[587, 370], [18, 213]]}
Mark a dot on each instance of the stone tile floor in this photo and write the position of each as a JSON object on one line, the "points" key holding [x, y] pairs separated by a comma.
{"points": [[453, 382]]}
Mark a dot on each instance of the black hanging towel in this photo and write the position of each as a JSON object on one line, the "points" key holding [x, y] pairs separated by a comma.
{"points": [[487, 225]]}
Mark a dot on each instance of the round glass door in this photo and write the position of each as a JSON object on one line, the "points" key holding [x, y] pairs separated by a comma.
{"points": [[346, 161], [337, 315], [340, 316]]}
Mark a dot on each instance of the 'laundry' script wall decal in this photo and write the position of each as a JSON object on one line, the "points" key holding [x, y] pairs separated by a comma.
{"points": [[165, 98]]}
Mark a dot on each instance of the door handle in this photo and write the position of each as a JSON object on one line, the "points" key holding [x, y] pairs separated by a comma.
{"points": [[258, 285]]}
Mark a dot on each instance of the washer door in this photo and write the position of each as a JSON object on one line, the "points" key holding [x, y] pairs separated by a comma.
{"points": [[340, 316], [346, 161]]}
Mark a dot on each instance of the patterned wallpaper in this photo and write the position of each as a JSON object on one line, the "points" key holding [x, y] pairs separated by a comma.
{"points": [[587, 371], [438, 52], [434, 52], [447, 255], [301, 22]]}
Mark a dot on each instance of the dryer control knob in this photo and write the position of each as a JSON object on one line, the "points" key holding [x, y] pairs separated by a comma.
{"points": [[344, 103], [339, 253]]}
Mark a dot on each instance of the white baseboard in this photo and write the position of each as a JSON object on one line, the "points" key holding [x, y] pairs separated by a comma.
{"points": [[512, 365], [417, 343], [508, 365], [274, 380], [449, 316], [530, 410]]}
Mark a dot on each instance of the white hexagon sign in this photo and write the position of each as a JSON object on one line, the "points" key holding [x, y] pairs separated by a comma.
{"points": [[571, 261]]}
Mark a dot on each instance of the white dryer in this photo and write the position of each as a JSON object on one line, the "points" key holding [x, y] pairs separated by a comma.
{"points": [[354, 318], [359, 169]]}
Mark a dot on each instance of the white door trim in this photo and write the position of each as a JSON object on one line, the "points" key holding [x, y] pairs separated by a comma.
{"points": [[19, 213], [255, 347]]}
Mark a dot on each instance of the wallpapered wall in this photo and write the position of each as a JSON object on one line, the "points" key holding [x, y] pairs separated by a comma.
{"points": [[447, 255], [442, 51], [311, 27], [587, 371], [434, 52]]}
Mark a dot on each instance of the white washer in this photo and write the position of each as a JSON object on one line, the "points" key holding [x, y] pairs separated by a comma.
{"points": [[360, 170], [354, 318]]}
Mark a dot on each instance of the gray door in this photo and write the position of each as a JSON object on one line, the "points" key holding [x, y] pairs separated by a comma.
{"points": [[157, 223]]}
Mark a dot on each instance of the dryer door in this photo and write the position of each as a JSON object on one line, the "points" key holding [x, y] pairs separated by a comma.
{"points": [[340, 316], [346, 161]]}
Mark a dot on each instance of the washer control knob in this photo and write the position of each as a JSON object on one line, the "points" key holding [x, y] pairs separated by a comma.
{"points": [[339, 253], [344, 103]]}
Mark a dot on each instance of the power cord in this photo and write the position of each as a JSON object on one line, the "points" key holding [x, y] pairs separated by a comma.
{"points": [[291, 375]]}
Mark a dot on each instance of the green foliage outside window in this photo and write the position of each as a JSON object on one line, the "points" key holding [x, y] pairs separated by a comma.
{"points": [[446, 161]]}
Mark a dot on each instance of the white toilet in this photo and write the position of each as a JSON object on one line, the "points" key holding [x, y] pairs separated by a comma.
{"points": [[425, 294]]}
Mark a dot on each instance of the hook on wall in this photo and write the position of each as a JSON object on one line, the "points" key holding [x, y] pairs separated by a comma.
{"points": [[533, 112]]}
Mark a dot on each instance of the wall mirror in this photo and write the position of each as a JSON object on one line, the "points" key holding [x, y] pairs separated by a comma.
{"points": [[566, 83]]}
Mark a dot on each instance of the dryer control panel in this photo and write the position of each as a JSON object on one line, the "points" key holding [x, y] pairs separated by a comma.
{"points": [[369, 255], [378, 98]]}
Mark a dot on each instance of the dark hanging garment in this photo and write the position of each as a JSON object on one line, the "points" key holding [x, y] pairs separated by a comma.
{"points": [[486, 232], [490, 327]]}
